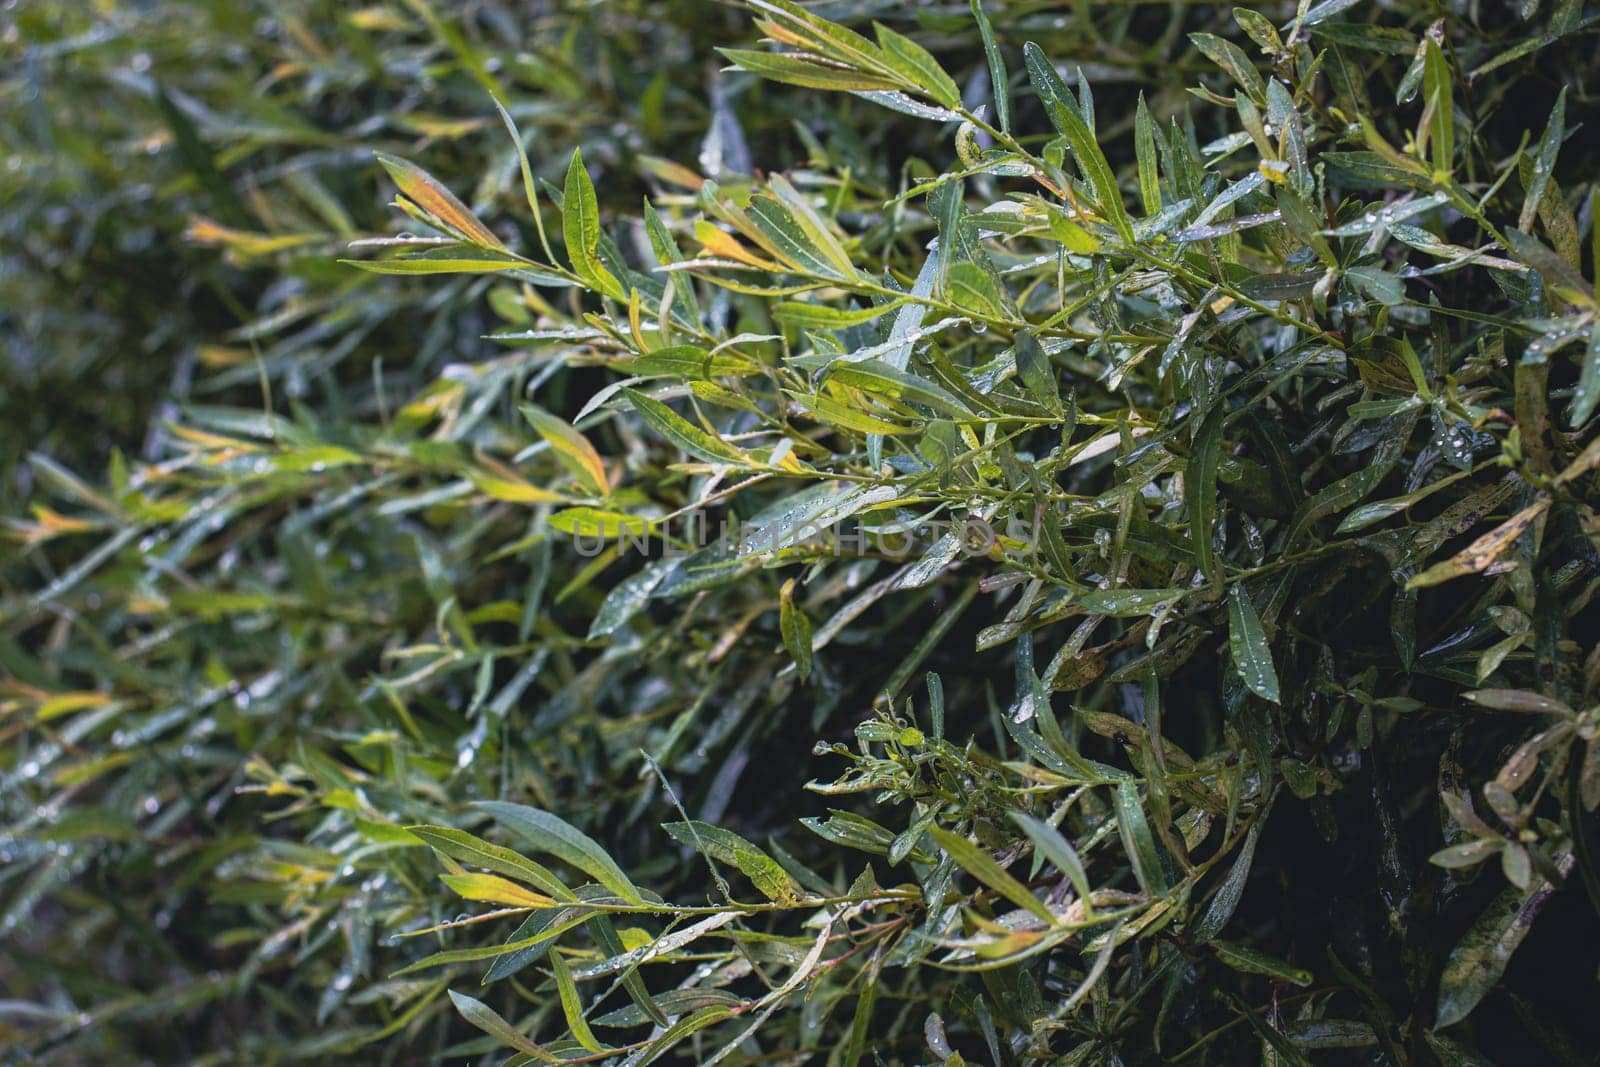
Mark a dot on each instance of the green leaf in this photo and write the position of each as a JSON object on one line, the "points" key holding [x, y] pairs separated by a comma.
{"points": [[1479, 959], [1073, 237], [796, 630], [921, 70], [861, 1025], [580, 225], [795, 69], [1144, 148], [1544, 162], [728, 847], [1200, 491], [1064, 114], [999, 82], [1439, 93], [1587, 394], [692, 439], [1055, 848], [460, 845], [548, 833], [1247, 644], [1226, 900], [1244, 958], [572, 1005], [1038, 374], [1125, 603], [1231, 58], [489, 1021], [814, 228], [593, 522], [1137, 839], [605, 935], [980, 865], [878, 377]]}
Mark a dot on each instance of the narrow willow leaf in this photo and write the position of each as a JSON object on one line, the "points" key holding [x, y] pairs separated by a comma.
{"points": [[673, 1002], [1479, 959], [684, 1027], [999, 82], [1544, 161], [849, 417], [627, 598], [1247, 644], [1232, 59], [460, 845], [439, 262], [912, 62], [1064, 114], [561, 839], [821, 317], [692, 439], [1137, 839], [1200, 491], [791, 243], [797, 69], [1520, 700], [1476, 557], [605, 935], [495, 890], [878, 377], [1038, 374], [580, 226], [816, 229], [980, 865], [861, 1025], [728, 847], [571, 448], [1244, 958], [536, 935], [530, 190], [1587, 394], [572, 1005], [1055, 848], [489, 1021], [796, 629], [1073, 238], [1124, 603], [428, 193], [1226, 900], [1439, 93], [590, 522], [1144, 147]]}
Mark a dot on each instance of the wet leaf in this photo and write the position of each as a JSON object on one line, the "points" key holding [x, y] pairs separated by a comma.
{"points": [[1247, 646]]}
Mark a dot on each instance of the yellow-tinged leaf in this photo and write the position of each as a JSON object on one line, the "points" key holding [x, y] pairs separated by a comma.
{"points": [[571, 448], [593, 522], [492, 889], [1476, 557], [721, 243], [514, 490], [66, 703], [426, 192]]}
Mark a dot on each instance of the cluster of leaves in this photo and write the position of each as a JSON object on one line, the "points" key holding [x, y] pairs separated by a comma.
{"points": [[1178, 529]]}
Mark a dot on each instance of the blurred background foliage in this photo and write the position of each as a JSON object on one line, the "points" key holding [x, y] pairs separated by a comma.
{"points": [[280, 582]]}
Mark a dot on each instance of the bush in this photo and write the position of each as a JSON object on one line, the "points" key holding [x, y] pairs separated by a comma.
{"points": [[1163, 511]]}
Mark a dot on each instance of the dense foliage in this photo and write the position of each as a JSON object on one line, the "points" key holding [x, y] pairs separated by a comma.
{"points": [[1052, 534]]}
